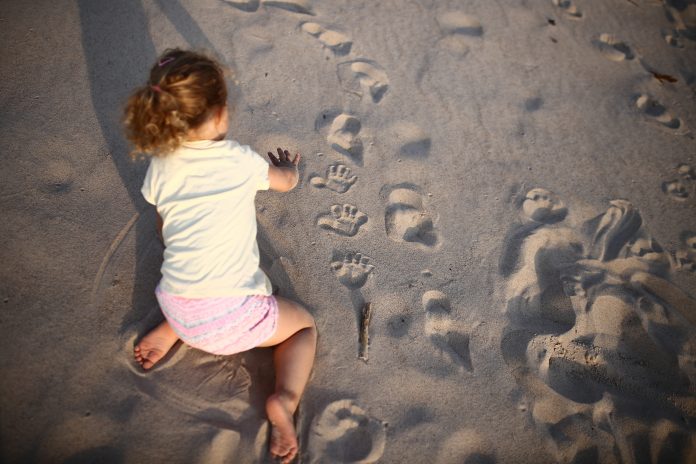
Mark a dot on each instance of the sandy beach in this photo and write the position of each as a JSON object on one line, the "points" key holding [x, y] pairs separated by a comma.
{"points": [[510, 185]]}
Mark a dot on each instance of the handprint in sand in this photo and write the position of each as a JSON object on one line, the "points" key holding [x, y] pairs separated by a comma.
{"points": [[339, 178], [353, 270], [343, 220]]}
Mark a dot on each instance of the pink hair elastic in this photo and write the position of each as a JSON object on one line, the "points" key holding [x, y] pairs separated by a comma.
{"points": [[165, 61], [156, 88]]}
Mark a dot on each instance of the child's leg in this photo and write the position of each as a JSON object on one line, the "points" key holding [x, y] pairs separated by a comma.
{"points": [[295, 344], [155, 345]]}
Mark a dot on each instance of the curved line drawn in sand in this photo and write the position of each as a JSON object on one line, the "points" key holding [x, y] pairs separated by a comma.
{"points": [[338, 43], [352, 270], [362, 77], [339, 178], [613, 48], [343, 136], [343, 219], [600, 341], [106, 260], [456, 22], [407, 220], [654, 111], [412, 141], [569, 9], [345, 433], [439, 327]]}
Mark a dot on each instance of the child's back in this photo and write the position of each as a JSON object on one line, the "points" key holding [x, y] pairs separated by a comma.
{"points": [[213, 294]]}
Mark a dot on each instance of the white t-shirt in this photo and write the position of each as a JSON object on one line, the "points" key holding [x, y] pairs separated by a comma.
{"points": [[205, 192]]}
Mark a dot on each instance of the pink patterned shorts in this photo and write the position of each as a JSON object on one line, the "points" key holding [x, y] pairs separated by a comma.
{"points": [[221, 325]]}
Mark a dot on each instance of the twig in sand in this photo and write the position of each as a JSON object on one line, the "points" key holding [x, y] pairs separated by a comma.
{"points": [[364, 338]]}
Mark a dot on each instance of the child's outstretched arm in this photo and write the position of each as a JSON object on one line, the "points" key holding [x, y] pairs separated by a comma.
{"points": [[282, 173]]}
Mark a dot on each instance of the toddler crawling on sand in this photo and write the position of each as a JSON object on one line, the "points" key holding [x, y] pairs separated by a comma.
{"points": [[213, 294]]}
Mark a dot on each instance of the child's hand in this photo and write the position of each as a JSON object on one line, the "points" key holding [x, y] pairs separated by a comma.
{"points": [[283, 159]]}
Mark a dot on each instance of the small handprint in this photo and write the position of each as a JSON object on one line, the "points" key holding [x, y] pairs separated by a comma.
{"points": [[344, 220], [353, 270], [338, 179]]}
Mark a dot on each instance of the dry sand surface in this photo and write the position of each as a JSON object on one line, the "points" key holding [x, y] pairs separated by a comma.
{"points": [[510, 184]]}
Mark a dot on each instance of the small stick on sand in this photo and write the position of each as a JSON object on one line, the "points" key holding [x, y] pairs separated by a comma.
{"points": [[364, 331]]}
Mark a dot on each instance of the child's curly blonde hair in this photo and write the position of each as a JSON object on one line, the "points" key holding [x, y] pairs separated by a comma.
{"points": [[185, 88]]}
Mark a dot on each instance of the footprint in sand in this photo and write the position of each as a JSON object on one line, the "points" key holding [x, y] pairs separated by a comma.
{"points": [[338, 43], [343, 220], [413, 142], [681, 188], [457, 29], [362, 77], [676, 190], [343, 136], [686, 256], [407, 220], [543, 206], [345, 433], [568, 8], [672, 38], [352, 270], [439, 326], [682, 15], [655, 111], [339, 178], [613, 48]]}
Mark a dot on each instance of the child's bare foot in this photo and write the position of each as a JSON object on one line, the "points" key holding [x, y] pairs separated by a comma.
{"points": [[283, 436], [155, 345]]}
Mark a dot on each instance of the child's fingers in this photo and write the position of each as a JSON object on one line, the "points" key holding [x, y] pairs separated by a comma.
{"points": [[274, 160], [281, 155], [296, 159]]}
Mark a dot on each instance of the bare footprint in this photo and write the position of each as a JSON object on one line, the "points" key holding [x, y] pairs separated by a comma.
{"points": [[568, 8], [686, 256], [406, 219], [296, 6], [439, 326], [686, 172], [339, 178], [544, 206], [364, 77], [613, 48], [338, 43], [676, 190], [412, 140], [353, 270], [344, 432], [655, 111], [343, 220], [343, 136]]}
